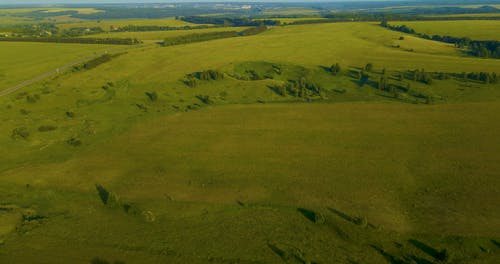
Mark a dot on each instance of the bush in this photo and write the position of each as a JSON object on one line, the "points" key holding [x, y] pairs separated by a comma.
{"points": [[47, 128], [20, 132], [153, 96], [32, 98], [75, 142], [205, 99], [368, 67]]}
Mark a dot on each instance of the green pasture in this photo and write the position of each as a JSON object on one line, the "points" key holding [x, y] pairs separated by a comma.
{"points": [[125, 162], [474, 29], [24, 60], [157, 36]]}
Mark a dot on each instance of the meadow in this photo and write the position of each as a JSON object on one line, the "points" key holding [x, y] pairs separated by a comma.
{"points": [[159, 36], [251, 149], [22, 61], [474, 29]]}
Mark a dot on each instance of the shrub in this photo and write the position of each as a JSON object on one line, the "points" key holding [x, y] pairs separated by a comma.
{"points": [[47, 128], [32, 98], [153, 96], [205, 99], [368, 67], [20, 132], [75, 142]]}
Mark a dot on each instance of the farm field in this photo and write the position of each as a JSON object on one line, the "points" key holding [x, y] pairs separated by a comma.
{"points": [[106, 24], [343, 142], [474, 29]]}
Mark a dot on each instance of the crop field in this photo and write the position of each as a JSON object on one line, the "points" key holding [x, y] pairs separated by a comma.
{"points": [[340, 142], [474, 29], [106, 24]]}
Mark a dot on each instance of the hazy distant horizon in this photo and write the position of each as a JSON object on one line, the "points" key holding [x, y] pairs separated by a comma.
{"points": [[83, 2]]}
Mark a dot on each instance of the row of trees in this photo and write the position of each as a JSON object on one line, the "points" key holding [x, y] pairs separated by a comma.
{"points": [[422, 76], [485, 77], [198, 37], [478, 48], [136, 28], [115, 41]]}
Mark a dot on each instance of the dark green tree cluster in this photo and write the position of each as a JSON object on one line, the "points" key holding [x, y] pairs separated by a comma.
{"points": [[192, 79], [485, 77], [422, 76], [136, 28], [96, 62], [254, 30], [209, 75], [335, 69], [298, 88], [81, 31]]}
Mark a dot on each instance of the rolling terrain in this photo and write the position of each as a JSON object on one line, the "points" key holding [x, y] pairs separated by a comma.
{"points": [[315, 143]]}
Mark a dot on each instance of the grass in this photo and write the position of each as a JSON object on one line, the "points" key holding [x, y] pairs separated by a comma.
{"points": [[474, 29], [353, 175], [23, 61], [190, 170], [156, 36]]}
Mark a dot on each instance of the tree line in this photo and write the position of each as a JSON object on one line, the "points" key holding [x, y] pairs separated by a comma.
{"points": [[114, 41], [199, 37], [478, 48], [135, 28]]}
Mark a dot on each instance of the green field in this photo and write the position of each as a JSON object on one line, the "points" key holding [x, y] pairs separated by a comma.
{"points": [[22, 61], [250, 149], [474, 29], [157, 36], [106, 24]]}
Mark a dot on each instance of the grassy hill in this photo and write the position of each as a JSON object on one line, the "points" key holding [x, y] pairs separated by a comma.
{"points": [[130, 161]]}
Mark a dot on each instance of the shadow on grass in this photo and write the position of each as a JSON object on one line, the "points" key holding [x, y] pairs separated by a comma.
{"points": [[441, 255], [390, 258], [343, 215], [496, 243]]}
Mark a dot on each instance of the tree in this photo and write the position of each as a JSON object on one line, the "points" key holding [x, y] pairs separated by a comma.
{"points": [[335, 69], [369, 67], [382, 84]]}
